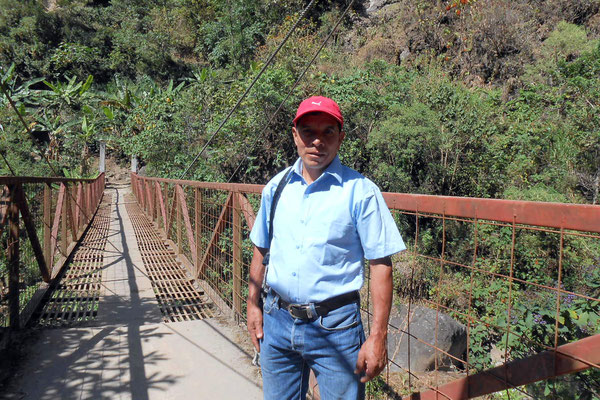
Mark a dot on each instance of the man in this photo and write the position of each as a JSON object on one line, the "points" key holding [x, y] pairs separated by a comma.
{"points": [[328, 219]]}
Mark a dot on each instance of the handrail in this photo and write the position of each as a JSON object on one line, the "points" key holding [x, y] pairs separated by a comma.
{"points": [[582, 217], [9, 179], [208, 224]]}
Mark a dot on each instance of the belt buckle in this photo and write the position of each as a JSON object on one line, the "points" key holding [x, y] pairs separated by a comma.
{"points": [[300, 311]]}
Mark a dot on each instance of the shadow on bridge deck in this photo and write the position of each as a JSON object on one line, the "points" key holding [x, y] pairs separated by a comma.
{"points": [[129, 351]]}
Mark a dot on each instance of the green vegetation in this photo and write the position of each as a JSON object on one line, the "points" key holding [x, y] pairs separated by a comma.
{"points": [[482, 98]]}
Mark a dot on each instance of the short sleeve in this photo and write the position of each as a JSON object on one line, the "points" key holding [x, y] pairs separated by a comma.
{"points": [[260, 231], [379, 235]]}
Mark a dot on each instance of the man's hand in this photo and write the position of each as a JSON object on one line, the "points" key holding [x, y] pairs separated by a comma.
{"points": [[255, 324], [254, 312], [372, 358]]}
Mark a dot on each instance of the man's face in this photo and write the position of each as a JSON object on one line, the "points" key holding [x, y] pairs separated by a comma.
{"points": [[318, 139]]}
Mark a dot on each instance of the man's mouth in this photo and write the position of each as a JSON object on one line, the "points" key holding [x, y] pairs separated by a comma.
{"points": [[316, 155]]}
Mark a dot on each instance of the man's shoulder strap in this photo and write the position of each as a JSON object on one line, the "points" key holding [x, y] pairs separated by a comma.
{"points": [[275, 200]]}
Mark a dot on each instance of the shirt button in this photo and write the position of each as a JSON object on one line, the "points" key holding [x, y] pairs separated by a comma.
{"points": [[297, 246], [293, 274]]}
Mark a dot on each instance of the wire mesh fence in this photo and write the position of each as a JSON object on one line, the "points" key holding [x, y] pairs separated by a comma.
{"points": [[41, 219], [29, 276], [492, 298]]}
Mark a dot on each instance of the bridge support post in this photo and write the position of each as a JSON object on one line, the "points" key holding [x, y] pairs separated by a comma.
{"points": [[198, 228], [63, 222], [179, 223], [237, 257], [48, 224], [134, 164], [13, 260]]}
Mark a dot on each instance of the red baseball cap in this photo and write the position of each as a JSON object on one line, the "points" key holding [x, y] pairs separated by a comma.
{"points": [[320, 104]]}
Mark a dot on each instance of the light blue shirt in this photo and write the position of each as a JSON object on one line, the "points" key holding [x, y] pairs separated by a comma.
{"points": [[323, 231]]}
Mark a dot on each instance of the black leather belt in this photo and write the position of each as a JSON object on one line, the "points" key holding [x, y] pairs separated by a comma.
{"points": [[304, 311]]}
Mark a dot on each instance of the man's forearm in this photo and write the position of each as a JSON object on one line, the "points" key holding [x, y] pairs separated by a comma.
{"points": [[253, 311], [257, 272], [372, 357], [381, 295]]}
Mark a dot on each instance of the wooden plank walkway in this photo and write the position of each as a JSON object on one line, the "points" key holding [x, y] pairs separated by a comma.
{"points": [[129, 350]]}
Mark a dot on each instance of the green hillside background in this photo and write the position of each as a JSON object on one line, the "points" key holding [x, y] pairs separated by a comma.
{"points": [[483, 98]]}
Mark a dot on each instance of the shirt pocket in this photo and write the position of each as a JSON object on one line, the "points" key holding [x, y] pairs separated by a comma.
{"points": [[345, 317], [333, 242]]}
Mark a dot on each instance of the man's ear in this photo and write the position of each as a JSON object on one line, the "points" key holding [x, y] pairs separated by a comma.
{"points": [[342, 136]]}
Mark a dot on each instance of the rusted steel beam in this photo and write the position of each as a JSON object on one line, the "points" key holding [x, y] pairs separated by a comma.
{"points": [[144, 195], [171, 212], [582, 217], [246, 210], [141, 194], [71, 211], [135, 185], [237, 256], [178, 219], [198, 226], [569, 358], [88, 203], [92, 189], [219, 227], [161, 203], [56, 224], [11, 180], [48, 224], [12, 253], [78, 206], [63, 221], [132, 182], [31, 233], [240, 187], [186, 218], [150, 210]]}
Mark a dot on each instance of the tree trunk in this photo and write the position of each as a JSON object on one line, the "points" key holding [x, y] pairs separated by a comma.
{"points": [[85, 155]]}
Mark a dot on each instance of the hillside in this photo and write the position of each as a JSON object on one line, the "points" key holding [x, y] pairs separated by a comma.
{"points": [[489, 98]]}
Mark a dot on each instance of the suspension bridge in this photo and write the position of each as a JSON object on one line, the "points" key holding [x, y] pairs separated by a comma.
{"points": [[139, 290]]}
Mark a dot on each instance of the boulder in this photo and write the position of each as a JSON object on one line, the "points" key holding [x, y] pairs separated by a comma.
{"points": [[451, 338], [375, 5]]}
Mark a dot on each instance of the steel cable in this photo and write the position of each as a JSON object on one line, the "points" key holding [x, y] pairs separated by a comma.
{"points": [[264, 68], [309, 64]]}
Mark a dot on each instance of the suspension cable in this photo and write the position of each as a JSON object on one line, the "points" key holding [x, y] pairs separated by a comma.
{"points": [[308, 65], [12, 171], [268, 62]]}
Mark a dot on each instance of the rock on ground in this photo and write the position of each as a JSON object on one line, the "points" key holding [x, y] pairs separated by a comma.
{"points": [[451, 338]]}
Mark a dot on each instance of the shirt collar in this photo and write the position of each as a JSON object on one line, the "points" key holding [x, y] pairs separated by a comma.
{"points": [[334, 169]]}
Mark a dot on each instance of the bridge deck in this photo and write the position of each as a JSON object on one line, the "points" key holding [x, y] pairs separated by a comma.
{"points": [[128, 350]]}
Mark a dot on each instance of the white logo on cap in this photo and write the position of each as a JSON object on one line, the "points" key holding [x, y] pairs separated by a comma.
{"points": [[316, 104]]}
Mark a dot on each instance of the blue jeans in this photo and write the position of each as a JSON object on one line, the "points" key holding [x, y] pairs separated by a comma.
{"points": [[328, 345]]}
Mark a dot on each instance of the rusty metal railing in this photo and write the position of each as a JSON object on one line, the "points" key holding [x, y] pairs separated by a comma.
{"points": [[522, 278], [41, 221]]}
